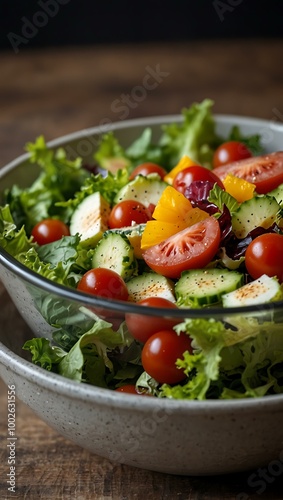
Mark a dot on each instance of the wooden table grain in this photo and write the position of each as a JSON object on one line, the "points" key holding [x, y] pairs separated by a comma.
{"points": [[57, 91]]}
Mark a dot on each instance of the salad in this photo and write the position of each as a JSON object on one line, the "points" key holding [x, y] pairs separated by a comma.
{"points": [[193, 221]]}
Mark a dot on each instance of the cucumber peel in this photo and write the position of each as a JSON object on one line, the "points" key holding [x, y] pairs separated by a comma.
{"points": [[203, 287], [260, 291]]}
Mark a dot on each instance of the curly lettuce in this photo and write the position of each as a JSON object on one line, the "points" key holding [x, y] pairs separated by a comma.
{"points": [[243, 358]]}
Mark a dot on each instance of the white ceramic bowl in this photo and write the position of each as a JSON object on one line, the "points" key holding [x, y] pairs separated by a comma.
{"points": [[172, 436]]}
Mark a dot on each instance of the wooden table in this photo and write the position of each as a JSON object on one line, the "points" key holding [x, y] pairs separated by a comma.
{"points": [[54, 92]]}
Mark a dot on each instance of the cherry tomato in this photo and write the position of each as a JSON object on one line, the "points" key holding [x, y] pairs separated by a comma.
{"points": [[264, 256], [160, 353], [194, 173], [266, 171], [148, 168], [132, 389], [192, 248], [126, 212], [142, 327], [229, 152], [49, 230], [105, 283]]}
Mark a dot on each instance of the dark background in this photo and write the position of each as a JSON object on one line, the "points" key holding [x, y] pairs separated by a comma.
{"points": [[87, 22]]}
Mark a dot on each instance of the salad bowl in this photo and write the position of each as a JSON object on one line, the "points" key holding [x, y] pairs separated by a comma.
{"points": [[196, 436]]}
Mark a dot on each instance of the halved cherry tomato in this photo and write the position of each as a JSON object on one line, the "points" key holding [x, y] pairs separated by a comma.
{"points": [[126, 212], [229, 152], [49, 230], [142, 327], [264, 256], [105, 283], [192, 248], [194, 173], [160, 353], [266, 171], [146, 169]]}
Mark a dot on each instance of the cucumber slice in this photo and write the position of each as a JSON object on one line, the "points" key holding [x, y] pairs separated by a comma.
{"points": [[90, 219], [260, 291], [260, 211], [150, 285], [134, 235], [277, 193], [146, 190], [115, 252], [202, 287]]}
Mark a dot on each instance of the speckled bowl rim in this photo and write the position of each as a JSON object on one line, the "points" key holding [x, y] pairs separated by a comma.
{"points": [[72, 294]]}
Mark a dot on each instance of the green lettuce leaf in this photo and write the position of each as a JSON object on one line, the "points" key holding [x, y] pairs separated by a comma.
{"points": [[14, 241], [144, 150], [220, 197], [110, 154], [195, 136], [95, 357], [108, 187], [243, 358], [43, 354], [58, 180], [60, 266]]}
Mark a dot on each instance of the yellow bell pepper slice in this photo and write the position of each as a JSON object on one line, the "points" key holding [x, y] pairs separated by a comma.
{"points": [[172, 206], [240, 189], [156, 231], [195, 215], [184, 162]]}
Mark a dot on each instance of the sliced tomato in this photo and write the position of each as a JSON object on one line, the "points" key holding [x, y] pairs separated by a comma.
{"points": [[266, 171], [192, 248]]}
